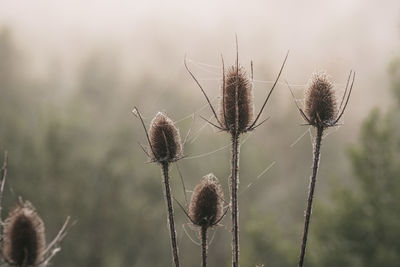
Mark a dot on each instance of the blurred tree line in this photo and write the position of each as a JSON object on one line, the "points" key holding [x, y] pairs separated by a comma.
{"points": [[67, 158], [76, 154]]}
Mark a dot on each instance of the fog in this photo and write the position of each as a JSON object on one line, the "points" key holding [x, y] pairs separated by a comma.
{"points": [[72, 71]]}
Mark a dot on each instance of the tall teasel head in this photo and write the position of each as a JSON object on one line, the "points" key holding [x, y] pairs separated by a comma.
{"points": [[322, 109], [206, 205], [24, 237], [165, 140], [320, 105], [237, 100], [236, 111]]}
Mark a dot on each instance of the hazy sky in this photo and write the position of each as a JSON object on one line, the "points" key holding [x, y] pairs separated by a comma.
{"points": [[335, 35]]}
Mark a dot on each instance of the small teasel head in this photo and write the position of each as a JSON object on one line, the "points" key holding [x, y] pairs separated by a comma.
{"points": [[24, 237], [237, 91], [165, 140], [320, 102], [206, 204]]}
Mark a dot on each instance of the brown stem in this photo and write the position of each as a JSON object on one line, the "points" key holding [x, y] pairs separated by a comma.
{"points": [[317, 147], [204, 245], [170, 213], [234, 200], [3, 182]]}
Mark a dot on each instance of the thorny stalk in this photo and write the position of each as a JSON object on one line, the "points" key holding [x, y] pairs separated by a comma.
{"points": [[165, 167], [3, 182], [313, 178], [204, 245], [234, 200]]}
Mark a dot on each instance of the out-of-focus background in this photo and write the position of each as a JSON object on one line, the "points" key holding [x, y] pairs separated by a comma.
{"points": [[72, 71]]}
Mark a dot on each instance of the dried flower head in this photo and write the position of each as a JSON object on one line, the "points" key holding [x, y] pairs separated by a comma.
{"points": [[165, 141], [206, 204], [237, 91], [320, 105], [236, 111], [24, 237]]}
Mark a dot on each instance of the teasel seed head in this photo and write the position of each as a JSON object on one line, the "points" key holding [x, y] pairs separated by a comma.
{"points": [[206, 204], [24, 238], [320, 102], [237, 79], [165, 140]]}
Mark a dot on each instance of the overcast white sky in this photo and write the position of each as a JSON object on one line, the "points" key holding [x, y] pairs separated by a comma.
{"points": [[335, 35]]}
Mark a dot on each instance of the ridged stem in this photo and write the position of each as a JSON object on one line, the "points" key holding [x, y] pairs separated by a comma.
{"points": [[204, 245], [170, 209], [234, 199], [317, 148], [3, 182]]}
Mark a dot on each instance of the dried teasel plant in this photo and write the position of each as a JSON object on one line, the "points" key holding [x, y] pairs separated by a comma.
{"points": [[165, 147], [237, 93], [236, 116], [321, 111], [24, 237], [206, 208], [23, 234]]}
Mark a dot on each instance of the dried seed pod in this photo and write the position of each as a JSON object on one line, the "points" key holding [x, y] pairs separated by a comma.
{"points": [[165, 141], [236, 79], [24, 237], [320, 105], [206, 203]]}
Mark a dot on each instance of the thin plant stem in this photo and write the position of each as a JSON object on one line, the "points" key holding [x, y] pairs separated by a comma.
{"points": [[3, 182], [165, 167], [234, 199], [317, 148], [204, 245]]}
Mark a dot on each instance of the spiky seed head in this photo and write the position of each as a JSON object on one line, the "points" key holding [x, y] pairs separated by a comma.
{"points": [[165, 139], [320, 103], [206, 203], [236, 79], [24, 237]]}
